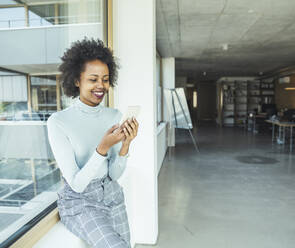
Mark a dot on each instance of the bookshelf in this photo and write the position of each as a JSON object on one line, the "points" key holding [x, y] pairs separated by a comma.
{"points": [[241, 108], [228, 110], [242, 97]]}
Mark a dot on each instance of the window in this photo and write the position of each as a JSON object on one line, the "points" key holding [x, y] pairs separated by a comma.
{"points": [[12, 17], [43, 93], [55, 13], [29, 93], [41, 15]]}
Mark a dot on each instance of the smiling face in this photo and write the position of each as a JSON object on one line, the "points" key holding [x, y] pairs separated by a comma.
{"points": [[94, 82]]}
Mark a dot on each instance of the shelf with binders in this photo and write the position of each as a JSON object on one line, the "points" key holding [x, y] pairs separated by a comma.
{"points": [[241, 95], [244, 98], [228, 110]]}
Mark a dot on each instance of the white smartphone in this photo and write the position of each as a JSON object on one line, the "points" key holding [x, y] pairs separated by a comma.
{"points": [[132, 111]]}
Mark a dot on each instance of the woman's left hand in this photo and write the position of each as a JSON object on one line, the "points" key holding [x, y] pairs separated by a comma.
{"points": [[130, 128]]}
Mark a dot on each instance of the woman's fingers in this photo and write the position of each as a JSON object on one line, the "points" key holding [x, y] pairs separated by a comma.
{"points": [[126, 133], [135, 121], [118, 133], [129, 129], [132, 124], [136, 125]]}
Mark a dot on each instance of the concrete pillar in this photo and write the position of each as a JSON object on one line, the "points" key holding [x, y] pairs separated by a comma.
{"points": [[135, 47], [168, 69]]}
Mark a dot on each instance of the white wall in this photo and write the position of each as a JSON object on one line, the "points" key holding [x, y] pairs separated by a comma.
{"points": [[134, 45], [168, 69], [161, 144]]}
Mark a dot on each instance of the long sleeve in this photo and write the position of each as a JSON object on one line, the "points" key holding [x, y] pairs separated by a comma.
{"points": [[117, 163], [64, 155]]}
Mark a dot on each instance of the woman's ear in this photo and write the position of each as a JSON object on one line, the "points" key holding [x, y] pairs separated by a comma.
{"points": [[77, 83]]}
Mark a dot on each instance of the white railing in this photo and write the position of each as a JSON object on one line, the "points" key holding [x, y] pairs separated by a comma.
{"points": [[47, 21]]}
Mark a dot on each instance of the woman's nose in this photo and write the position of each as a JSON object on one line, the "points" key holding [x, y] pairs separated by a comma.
{"points": [[99, 83]]}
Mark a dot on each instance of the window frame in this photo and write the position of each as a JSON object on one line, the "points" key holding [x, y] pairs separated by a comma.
{"points": [[30, 233], [33, 231]]}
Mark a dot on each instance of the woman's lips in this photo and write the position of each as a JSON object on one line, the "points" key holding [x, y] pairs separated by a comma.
{"points": [[98, 94]]}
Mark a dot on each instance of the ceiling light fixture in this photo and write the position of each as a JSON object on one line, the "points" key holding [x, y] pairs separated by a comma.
{"points": [[290, 88], [284, 80], [204, 73]]}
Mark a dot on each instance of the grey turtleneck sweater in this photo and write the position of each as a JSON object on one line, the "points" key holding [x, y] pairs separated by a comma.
{"points": [[74, 134]]}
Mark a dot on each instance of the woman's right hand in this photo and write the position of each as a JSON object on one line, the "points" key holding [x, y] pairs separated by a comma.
{"points": [[109, 139]]}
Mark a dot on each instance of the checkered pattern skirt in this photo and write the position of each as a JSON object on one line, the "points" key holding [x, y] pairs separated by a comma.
{"points": [[96, 215]]}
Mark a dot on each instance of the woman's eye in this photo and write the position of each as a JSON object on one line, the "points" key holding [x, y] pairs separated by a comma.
{"points": [[104, 80]]}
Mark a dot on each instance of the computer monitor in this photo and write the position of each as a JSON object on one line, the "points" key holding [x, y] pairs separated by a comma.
{"points": [[269, 109], [289, 115]]}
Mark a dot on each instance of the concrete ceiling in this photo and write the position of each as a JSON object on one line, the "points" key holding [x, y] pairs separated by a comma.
{"points": [[260, 35]]}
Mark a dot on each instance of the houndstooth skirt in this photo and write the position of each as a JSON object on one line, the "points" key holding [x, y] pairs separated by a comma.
{"points": [[97, 215]]}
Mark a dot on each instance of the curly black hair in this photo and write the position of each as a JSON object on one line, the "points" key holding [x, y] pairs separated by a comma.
{"points": [[75, 58]]}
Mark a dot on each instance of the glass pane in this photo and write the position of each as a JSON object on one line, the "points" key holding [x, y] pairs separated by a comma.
{"points": [[30, 92], [6, 2], [29, 176], [93, 16], [41, 15], [52, 14], [12, 17], [43, 92]]}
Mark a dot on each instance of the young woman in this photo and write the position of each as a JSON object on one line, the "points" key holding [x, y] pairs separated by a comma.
{"points": [[91, 149]]}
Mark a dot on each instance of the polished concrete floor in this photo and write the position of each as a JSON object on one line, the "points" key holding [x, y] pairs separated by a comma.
{"points": [[238, 192]]}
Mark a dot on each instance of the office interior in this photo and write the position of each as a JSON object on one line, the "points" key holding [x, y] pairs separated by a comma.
{"points": [[235, 62]]}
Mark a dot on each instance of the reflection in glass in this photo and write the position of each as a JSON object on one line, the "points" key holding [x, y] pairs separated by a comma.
{"points": [[29, 176], [43, 90], [55, 13], [42, 15], [12, 17], [30, 92]]}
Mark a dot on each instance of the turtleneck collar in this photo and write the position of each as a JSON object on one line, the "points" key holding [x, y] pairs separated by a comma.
{"points": [[86, 108]]}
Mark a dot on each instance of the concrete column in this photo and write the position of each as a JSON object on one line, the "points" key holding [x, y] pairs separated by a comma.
{"points": [[135, 47], [168, 69]]}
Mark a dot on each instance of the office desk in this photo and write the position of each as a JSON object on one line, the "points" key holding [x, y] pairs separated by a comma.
{"points": [[255, 121], [282, 125]]}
